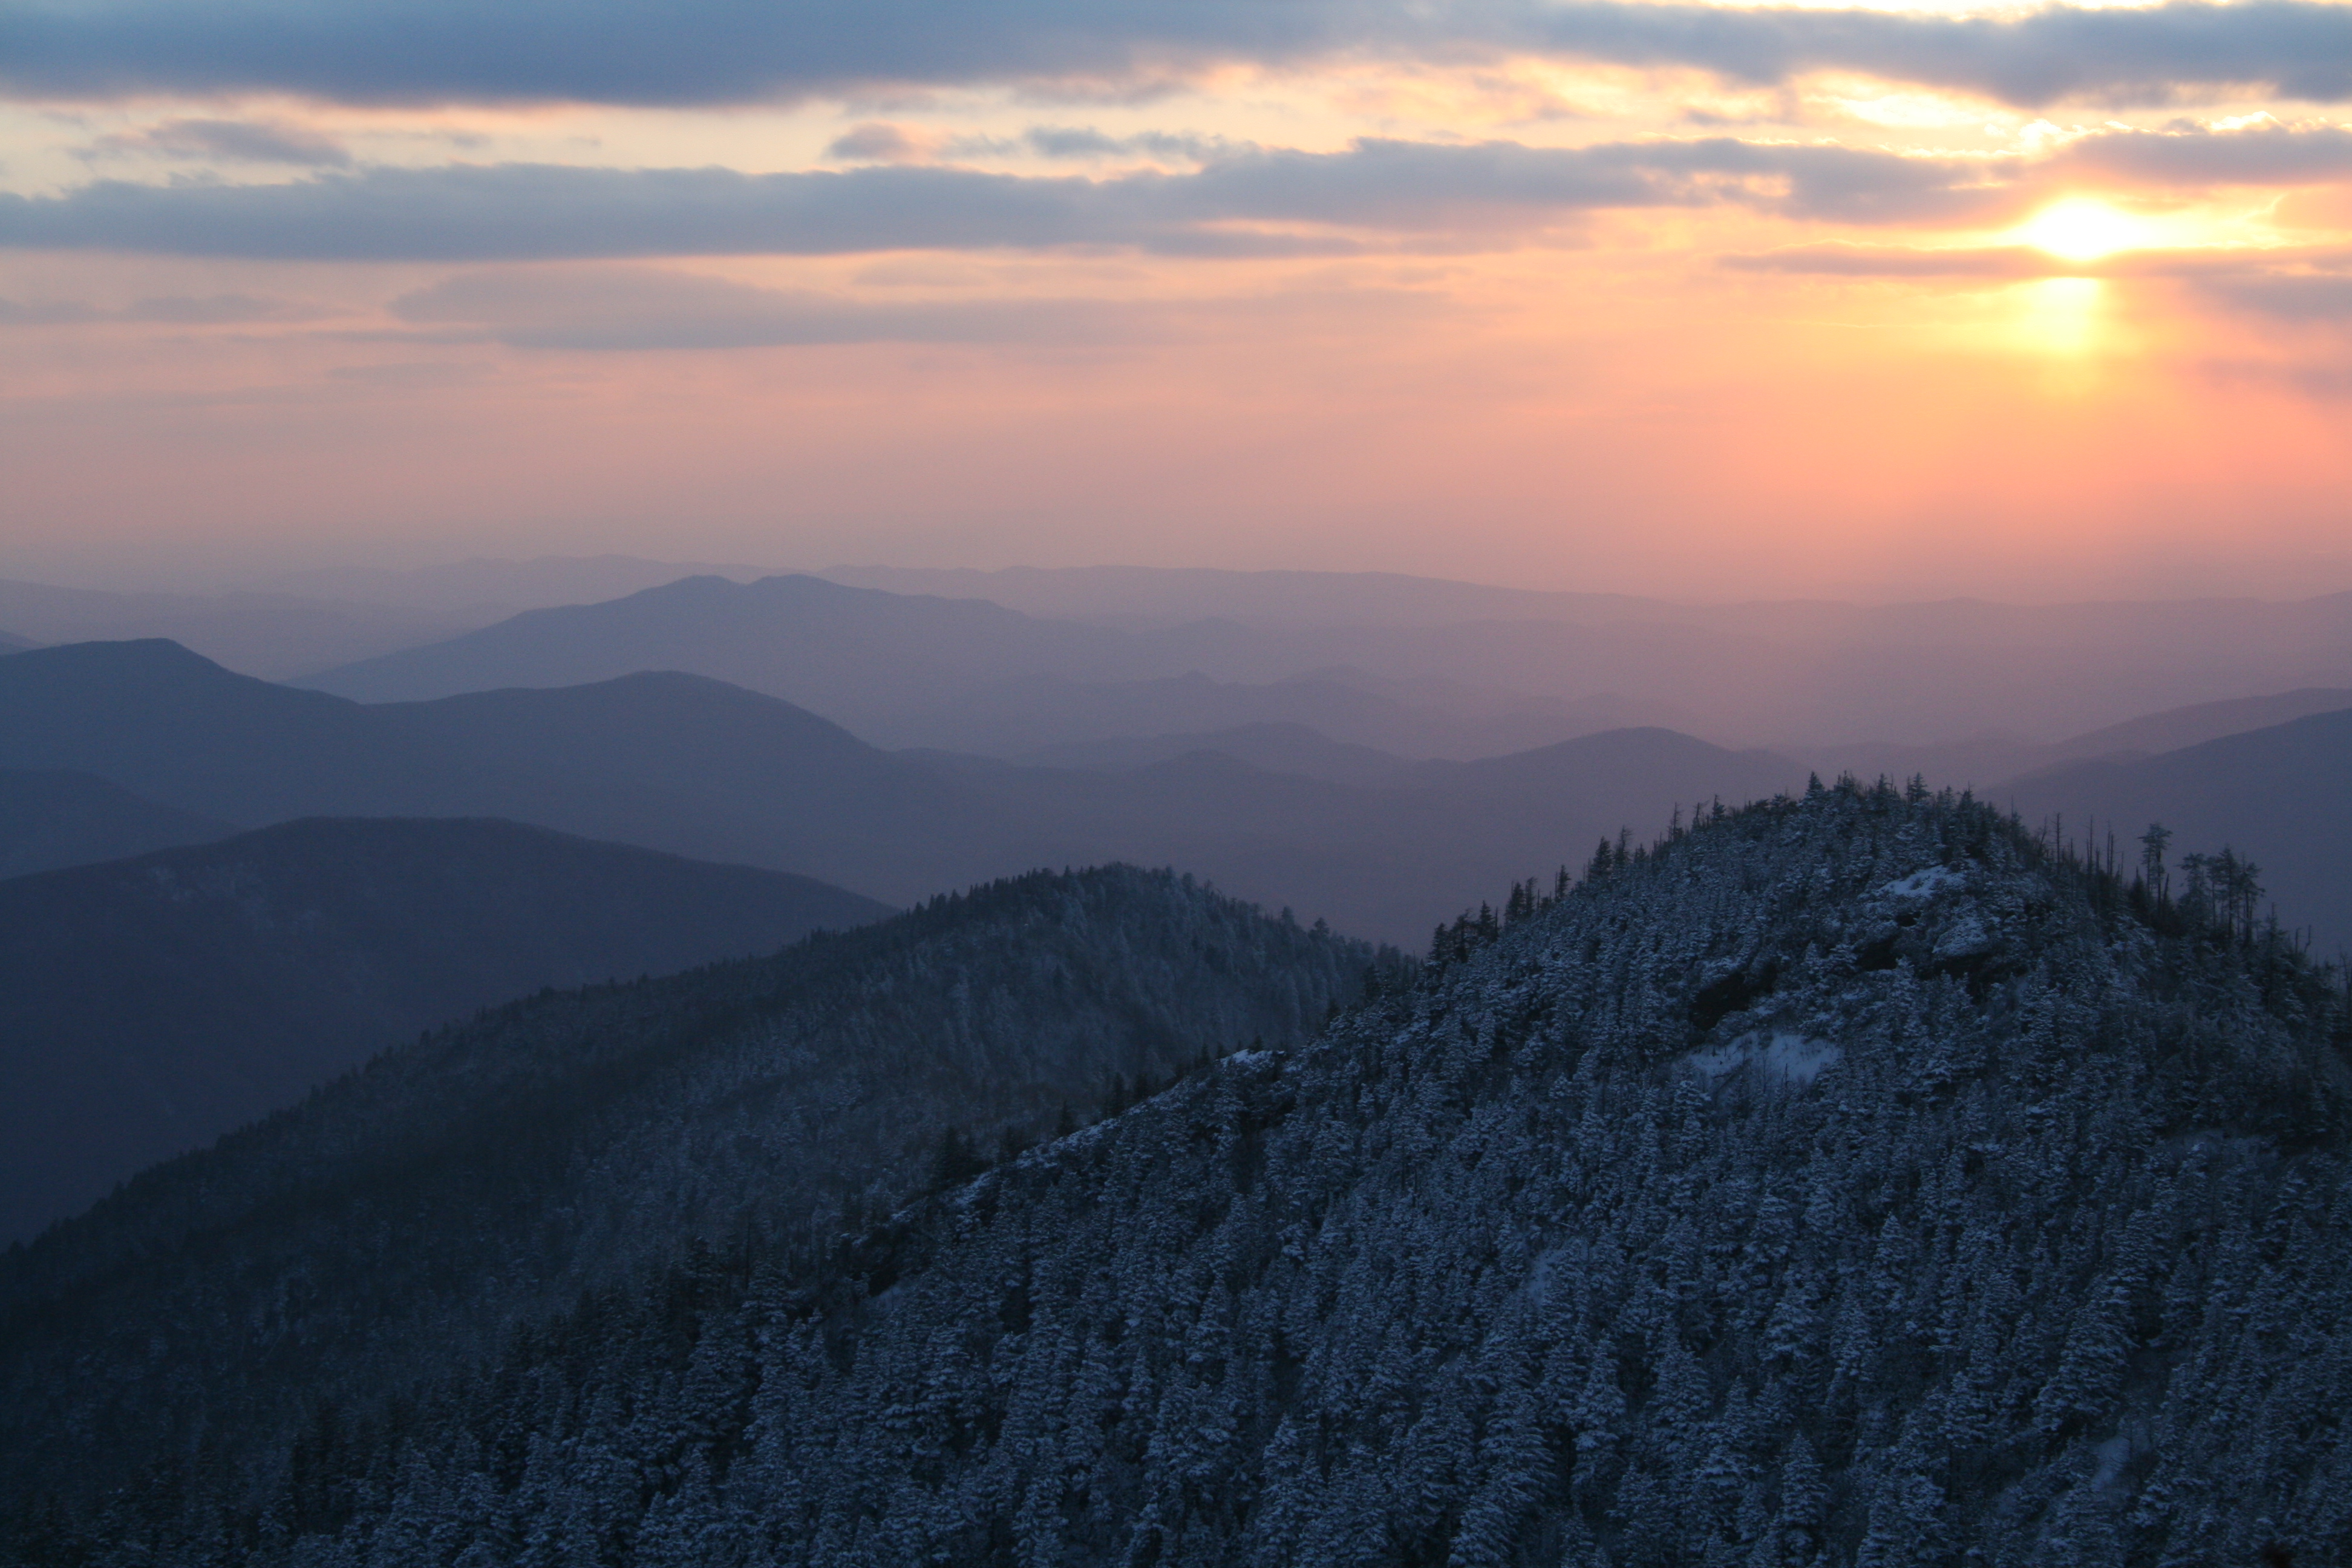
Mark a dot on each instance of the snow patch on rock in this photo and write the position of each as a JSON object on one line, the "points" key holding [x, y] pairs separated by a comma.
{"points": [[1924, 884], [1783, 1056]]}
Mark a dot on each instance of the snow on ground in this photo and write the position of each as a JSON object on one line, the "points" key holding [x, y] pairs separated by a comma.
{"points": [[1790, 1057], [1924, 884]]}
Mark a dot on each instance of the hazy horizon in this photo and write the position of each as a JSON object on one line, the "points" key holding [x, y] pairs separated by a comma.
{"points": [[1678, 301], [138, 577]]}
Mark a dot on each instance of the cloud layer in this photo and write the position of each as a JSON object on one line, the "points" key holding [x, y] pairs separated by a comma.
{"points": [[1246, 201], [702, 52], [629, 308], [531, 211]]}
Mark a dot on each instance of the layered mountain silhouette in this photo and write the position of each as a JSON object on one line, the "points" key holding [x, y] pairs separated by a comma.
{"points": [[697, 767], [1175, 596], [1042, 715], [149, 1006], [1274, 748], [272, 635], [1853, 1179], [489, 589], [1472, 670], [854, 654], [671, 761], [53, 819], [1994, 760], [2281, 797], [405, 1220], [2177, 727], [964, 674]]}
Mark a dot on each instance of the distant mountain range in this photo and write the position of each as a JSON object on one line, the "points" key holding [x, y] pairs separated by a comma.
{"points": [[2179, 727], [970, 674], [697, 767], [1274, 748], [865, 658], [149, 1006], [1143, 597], [1378, 844], [49, 819], [271, 635], [483, 590]]}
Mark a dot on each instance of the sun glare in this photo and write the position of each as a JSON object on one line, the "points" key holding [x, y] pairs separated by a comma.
{"points": [[2080, 229], [2062, 315]]}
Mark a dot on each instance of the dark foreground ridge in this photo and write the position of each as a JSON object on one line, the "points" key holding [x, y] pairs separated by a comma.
{"points": [[395, 1230], [1851, 1180]]}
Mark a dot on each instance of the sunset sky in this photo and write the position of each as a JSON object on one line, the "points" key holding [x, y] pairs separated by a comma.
{"points": [[1702, 302]]}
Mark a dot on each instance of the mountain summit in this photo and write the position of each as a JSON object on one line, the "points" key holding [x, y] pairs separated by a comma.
{"points": [[1853, 1179]]}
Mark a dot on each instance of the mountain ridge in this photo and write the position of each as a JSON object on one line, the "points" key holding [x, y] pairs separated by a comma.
{"points": [[695, 766], [1856, 1178], [51, 818], [405, 1218], [149, 1006]]}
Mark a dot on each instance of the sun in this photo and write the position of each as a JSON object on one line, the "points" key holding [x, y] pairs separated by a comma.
{"points": [[2081, 229]]}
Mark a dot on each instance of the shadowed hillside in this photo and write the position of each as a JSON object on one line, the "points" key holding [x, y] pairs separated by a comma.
{"points": [[404, 1222], [1848, 1180], [49, 819], [149, 1006]]}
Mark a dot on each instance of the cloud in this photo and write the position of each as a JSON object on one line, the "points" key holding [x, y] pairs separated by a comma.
{"points": [[2282, 280], [216, 309], [1998, 262], [1086, 141], [2257, 156], [706, 51], [1242, 201], [2121, 55], [521, 212], [875, 142], [610, 309], [235, 141], [2290, 297]]}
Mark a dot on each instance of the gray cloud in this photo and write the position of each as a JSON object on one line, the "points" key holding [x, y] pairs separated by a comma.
{"points": [[635, 309], [1997, 262], [1244, 201], [2135, 54], [2290, 297], [214, 310], [1086, 141], [237, 141], [2260, 155], [702, 51], [877, 141], [521, 212], [536, 211]]}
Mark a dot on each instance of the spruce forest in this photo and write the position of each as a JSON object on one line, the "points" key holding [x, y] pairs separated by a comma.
{"points": [[1853, 1179]]}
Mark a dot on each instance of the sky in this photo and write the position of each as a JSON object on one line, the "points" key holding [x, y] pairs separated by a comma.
{"points": [[1704, 302]]}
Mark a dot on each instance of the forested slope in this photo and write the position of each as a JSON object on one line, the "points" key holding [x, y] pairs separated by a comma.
{"points": [[2279, 796], [401, 1224], [1851, 1180], [150, 1005]]}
